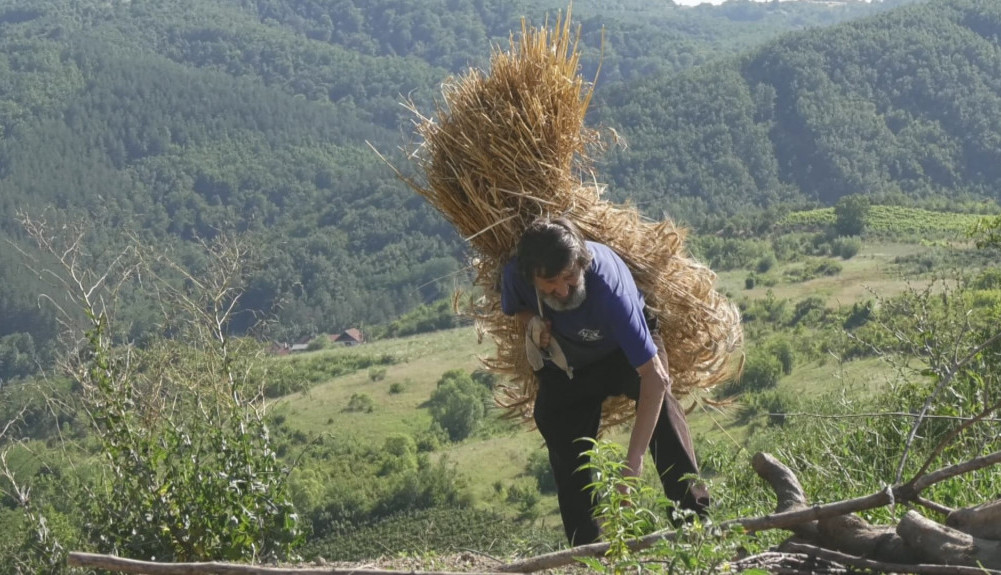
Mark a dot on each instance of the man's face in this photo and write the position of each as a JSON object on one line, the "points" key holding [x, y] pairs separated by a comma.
{"points": [[564, 291]]}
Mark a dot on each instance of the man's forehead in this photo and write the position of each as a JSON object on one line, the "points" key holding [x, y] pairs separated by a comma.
{"points": [[569, 272]]}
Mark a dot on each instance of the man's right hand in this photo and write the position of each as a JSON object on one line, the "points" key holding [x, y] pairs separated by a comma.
{"points": [[540, 331], [544, 337]]}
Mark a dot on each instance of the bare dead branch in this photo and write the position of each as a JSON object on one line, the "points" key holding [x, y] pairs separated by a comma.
{"points": [[14, 420], [982, 416], [934, 506], [921, 483], [121, 565], [950, 373]]}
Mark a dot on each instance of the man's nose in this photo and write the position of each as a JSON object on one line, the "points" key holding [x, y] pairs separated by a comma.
{"points": [[561, 290]]}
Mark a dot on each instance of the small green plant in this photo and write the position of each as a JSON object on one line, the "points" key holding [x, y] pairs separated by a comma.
{"points": [[627, 509], [395, 388], [622, 504], [377, 373]]}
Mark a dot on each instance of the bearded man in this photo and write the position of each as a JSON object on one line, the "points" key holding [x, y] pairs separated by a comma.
{"points": [[594, 338]]}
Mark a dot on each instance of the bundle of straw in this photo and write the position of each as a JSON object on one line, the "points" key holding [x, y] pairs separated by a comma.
{"points": [[506, 147]]}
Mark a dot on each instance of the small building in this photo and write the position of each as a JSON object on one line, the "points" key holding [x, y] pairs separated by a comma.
{"points": [[350, 336]]}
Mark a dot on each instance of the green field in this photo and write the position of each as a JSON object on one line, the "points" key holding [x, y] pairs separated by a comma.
{"points": [[892, 220]]}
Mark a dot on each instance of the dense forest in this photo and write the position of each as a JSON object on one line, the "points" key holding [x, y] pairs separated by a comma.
{"points": [[182, 120]]}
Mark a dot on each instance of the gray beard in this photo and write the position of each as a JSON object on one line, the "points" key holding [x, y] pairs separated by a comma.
{"points": [[573, 301]]}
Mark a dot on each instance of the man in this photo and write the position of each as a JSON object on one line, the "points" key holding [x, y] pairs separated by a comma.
{"points": [[591, 308]]}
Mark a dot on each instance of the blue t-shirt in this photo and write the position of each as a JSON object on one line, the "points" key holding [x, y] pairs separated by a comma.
{"points": [[610, 318]]}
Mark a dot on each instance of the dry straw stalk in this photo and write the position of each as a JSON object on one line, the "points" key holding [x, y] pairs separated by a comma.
{"points": [[510, 145]]}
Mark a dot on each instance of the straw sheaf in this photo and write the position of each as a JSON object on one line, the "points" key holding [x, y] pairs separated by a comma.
{"points": [[506, 147]]}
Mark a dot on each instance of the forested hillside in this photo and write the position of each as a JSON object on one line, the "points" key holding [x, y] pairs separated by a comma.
{"points": [[180, 120], [902, 107]]}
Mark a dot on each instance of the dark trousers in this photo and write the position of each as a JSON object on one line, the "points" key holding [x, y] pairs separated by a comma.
{"points": [[566, 410]]}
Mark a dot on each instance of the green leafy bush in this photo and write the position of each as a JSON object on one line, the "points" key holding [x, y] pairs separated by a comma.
{"points": [[318, 343], [846, 247], [765, 263], [782, 350], [399, 454], [422, 319], [361, 403], [762, 370], [724, 253], [539, 468], [524, 496], [458, 404], [186, 467], [808, 311], [813, 269]]}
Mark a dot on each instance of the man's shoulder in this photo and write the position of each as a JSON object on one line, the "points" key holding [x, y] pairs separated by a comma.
{"points": [[602, 251], [509, 271], [606, 262]]}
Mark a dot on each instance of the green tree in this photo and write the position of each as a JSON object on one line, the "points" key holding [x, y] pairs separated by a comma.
{"points": [[988, 233], [851, 215], [458, 404]]}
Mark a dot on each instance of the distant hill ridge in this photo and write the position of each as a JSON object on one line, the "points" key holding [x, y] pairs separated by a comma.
{"points": [[901, 107]]}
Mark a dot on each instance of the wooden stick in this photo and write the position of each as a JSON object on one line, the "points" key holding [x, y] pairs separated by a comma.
{"points": [[880, 567], [122, 565]]}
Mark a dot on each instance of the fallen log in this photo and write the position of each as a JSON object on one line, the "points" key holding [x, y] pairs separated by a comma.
{"points": [[916, 539], [936, 543], [847, 533], [980, 521]]}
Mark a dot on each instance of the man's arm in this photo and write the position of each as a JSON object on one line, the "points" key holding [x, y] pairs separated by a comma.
{"points": [[655, 382]]}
